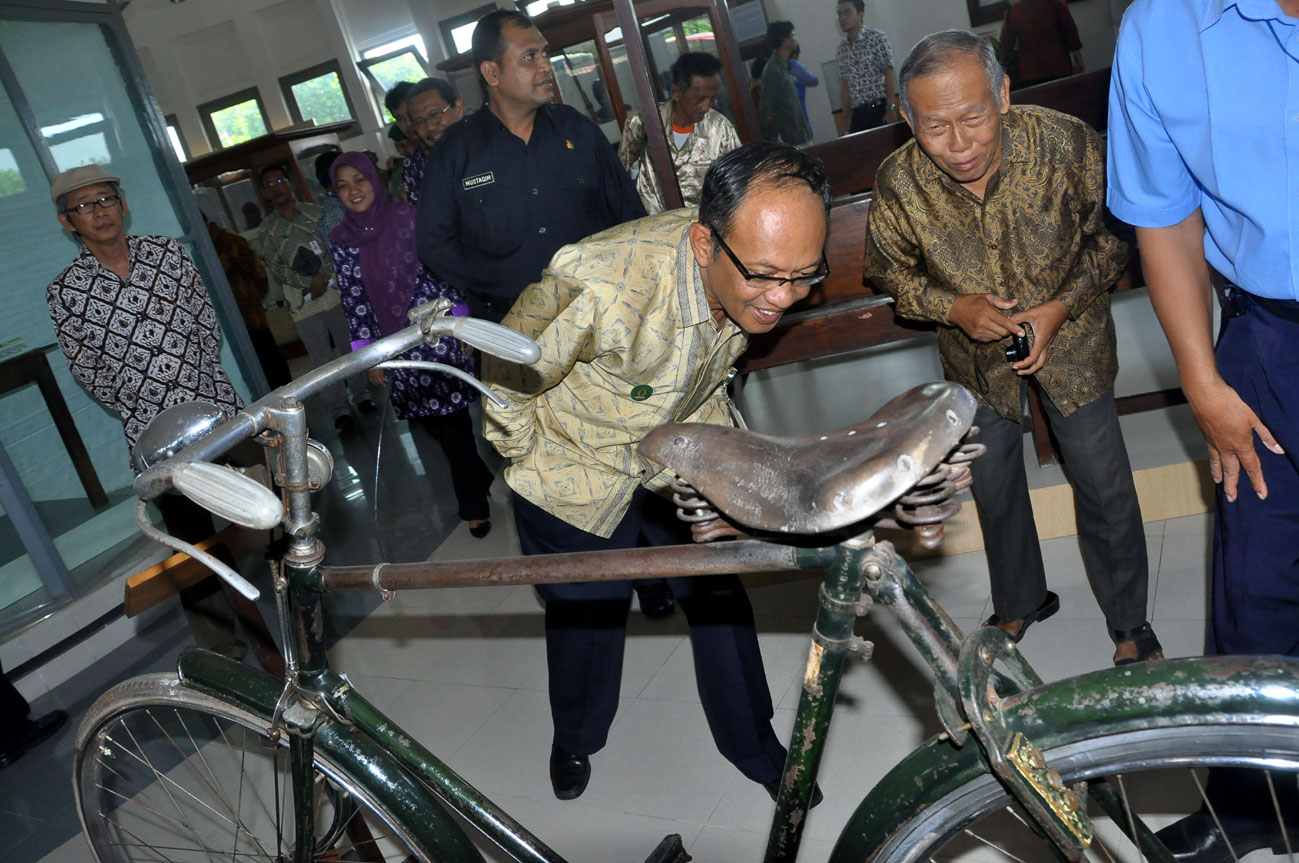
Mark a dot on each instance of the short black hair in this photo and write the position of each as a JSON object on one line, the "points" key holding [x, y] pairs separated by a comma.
{"points": [[322, 165], [859, 5], [267, 169], [777, 32], [396, 97], [428, 85], [694, 64], [486, 43], [762, 163]]}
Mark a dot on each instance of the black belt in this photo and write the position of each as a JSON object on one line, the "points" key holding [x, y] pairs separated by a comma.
{"points": [[1235, 300]]}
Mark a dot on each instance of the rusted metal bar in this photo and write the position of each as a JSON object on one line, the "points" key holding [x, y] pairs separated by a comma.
{"points": [[618, 565]]}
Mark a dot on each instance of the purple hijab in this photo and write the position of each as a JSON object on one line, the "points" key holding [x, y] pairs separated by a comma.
{"points": [[385, 236]]}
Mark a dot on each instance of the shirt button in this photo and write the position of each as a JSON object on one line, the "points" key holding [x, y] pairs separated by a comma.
{"points": [[535, 192], [992, 246], [541, 230]]}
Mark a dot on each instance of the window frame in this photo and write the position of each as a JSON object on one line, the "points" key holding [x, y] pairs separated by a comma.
{"points": [[207, 109], [320, 70], [455, 22], [375, 84]]}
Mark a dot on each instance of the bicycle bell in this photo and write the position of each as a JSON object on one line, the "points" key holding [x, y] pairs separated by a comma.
{"points": [[172, 430]]}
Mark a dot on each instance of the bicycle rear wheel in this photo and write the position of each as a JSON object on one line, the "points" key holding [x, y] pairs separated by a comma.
{"points": [[163, 772], [1157, 775]]}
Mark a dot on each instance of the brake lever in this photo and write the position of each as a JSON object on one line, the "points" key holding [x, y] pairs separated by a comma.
{"points": [[228, 575], [446, 370]]}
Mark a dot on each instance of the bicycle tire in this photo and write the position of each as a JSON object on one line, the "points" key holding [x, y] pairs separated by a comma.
{"points": [[169, 791], [1133, 755]]}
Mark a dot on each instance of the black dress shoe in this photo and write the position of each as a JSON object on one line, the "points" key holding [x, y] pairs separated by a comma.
{"points": [[569, 773], [344, 423], [367, 406], [1196, 839], [656, 600], [773, 788], [37, 730], [478, 531]]}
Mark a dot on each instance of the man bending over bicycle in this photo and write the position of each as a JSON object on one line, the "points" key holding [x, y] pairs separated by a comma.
{"points": [[639, 326]]}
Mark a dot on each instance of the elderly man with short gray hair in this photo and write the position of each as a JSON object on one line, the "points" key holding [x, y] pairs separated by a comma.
{"points": [[991, 223]]}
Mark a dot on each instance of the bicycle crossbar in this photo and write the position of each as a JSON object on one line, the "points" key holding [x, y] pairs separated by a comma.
{"points": [[741, 556]]}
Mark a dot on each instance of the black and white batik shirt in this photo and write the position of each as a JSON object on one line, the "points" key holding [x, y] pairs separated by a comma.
{"points": [[144, 344]]}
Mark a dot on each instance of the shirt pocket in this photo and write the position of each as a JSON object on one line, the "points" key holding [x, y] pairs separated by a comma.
{"points": [[492, 220], [581, 190]]}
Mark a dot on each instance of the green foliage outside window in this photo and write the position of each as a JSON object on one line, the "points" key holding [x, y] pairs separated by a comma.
{"points": [[403, 67], [321, 99], [11, 182], [238, 123]]}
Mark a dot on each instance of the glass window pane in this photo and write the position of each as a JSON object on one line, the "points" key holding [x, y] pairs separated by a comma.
{"points": [[238, 123], [536, 7], [415, 41], [84, 111], [577, 72], [321, 99], [463, 36], [11, 179], [403, 67], [174, 136]]}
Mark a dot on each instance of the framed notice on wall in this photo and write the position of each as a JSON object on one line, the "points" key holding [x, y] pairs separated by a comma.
{"points": [[749, 20]]}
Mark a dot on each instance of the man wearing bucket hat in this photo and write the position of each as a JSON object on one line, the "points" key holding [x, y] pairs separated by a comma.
{"points": [[135, 323]]}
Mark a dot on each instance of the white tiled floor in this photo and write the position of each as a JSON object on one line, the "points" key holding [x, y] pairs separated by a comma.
{"points": [[464, 671]]}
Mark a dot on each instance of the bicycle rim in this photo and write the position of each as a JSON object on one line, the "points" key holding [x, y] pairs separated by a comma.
{"points": [[1158, 775], [164, 773]]}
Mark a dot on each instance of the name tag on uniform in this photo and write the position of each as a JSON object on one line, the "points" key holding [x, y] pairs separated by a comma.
{"points": [[481, 180]]}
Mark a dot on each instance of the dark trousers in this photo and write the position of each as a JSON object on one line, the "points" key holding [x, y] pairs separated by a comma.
{"points": [[1256, 542], [268, 354], [867, 116], [470, 478], [13, 712], [586, 628], [1109, 519]]}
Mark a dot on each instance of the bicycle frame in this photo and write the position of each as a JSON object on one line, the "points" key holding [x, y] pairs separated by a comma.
{"points": [[317, 706]]}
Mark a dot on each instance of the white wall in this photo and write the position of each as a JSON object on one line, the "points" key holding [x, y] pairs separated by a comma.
{"points": [[906, 22], [201, 50]]}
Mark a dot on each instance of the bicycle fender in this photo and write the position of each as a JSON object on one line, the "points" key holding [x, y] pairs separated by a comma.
{"points": [[363, 761], [1259, 690]]}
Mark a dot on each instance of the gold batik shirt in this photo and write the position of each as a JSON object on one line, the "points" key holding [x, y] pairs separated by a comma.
{"points": [[627, 344], [1039, 234], [711, 137]]}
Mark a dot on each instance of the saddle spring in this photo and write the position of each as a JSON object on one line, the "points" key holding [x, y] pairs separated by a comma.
{"points": [[923, 509]]}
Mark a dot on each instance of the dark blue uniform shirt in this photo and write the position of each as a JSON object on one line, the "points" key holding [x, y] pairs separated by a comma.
{"points": [[494, 210]]}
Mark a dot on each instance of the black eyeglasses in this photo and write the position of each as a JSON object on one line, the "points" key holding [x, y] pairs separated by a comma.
{"points": [[416, 122], [85, 208], [759, 282]]}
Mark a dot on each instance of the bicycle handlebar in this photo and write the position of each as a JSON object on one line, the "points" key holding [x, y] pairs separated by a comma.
{"points": [[431, 322]]}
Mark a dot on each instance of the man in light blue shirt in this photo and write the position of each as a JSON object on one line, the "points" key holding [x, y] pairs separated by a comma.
{"points": [[1204, 161]]}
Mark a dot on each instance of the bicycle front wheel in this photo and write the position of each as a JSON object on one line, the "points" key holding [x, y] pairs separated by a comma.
{"points": [[163, 772], [1157, 776]]}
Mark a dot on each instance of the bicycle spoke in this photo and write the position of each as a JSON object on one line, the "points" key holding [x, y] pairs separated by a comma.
{"points": [[1127, 809], [165, 787]]}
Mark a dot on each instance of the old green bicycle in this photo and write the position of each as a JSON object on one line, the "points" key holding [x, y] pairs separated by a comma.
{"points": [[220, 762]]}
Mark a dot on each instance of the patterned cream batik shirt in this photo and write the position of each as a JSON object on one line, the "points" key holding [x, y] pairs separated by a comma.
{"points": [[143, 344], [711, 137], [862, 63], [627, 344]]}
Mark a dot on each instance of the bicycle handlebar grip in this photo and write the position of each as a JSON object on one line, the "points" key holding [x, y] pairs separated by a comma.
{"points": [[496, 340], [224, 491]]}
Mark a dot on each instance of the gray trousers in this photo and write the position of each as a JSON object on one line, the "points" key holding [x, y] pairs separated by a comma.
{"points": [[316, 332], [1109, 518]]}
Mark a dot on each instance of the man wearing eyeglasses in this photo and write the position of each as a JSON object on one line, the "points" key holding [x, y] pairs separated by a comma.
{"points": [[991, 223], [431, 106], [640, 325], [135, 323]]}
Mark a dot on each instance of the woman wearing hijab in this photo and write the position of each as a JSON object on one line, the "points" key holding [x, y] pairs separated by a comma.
{"points": [[381, 279]]}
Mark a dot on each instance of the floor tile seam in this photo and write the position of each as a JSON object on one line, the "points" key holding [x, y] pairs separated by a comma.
{"points": [[486, 719]]}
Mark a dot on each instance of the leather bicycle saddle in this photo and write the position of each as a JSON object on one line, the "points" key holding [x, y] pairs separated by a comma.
{"points": [[817, 483]]}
